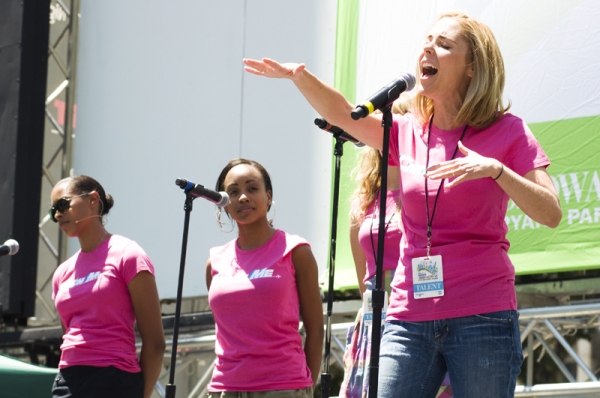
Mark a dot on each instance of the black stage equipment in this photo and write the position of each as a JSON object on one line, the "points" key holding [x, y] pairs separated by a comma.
{"points": [[24, 32], [192, 191], [338, 151]]}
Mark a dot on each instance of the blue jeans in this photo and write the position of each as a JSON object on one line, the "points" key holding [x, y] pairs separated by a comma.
{"points": [[481, 353]]}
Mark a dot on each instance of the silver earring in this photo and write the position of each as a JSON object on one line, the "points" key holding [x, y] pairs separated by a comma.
{"points": [[272, 219], [221, 223]]}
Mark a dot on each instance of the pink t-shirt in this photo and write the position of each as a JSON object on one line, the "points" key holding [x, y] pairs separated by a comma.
{"points": [[468, 228], [369, 232], [254, 299], [91, 296]]}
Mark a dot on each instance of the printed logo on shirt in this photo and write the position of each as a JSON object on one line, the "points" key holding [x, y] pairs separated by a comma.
{"points": [[92, 276], [408, 165], [261, 273]]}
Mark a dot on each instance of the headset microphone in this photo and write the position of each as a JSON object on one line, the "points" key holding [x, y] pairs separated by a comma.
{"points": [[85, 218]]}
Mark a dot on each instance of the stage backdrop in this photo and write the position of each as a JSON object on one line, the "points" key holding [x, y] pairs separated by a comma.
{"points": [[162, 94], [551, 52]]}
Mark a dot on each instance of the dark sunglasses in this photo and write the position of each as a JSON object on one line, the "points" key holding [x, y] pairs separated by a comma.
{"points": [[62, 205]]}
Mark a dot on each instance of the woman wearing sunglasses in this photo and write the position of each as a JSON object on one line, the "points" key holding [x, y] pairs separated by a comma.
{"points": [[100, 293]]}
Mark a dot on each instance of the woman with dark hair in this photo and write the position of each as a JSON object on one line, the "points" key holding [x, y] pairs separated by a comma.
{"points": [[259, 285], [100, 293], [462, 157]]}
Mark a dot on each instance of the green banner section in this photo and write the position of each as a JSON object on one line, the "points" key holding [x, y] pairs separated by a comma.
{"points": [[572, 145], [345, 82], [573, 148]]}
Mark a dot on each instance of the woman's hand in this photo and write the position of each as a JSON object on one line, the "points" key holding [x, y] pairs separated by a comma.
{"points": [[326, 100], [470, 167], [533, 193], [271, 68]]}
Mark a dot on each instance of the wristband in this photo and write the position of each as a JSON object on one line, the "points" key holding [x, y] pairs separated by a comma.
{"points": [[501, 170]]}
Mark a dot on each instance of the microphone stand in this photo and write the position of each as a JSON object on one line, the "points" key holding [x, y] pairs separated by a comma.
{"points": [[338, 152], [170, 388], [378, 294]]}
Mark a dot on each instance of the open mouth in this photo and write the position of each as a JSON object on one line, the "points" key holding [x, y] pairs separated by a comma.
{"points": [[428, 70]]}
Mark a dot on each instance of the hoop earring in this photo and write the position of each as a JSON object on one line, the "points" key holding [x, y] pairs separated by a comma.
{"points": [[221, 223], [272, 219], [103, 219]]}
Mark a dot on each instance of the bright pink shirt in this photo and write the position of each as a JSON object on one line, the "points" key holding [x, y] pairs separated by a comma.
{"points": [[468, 229], [369, 232], [92, 299], [254, 299]]}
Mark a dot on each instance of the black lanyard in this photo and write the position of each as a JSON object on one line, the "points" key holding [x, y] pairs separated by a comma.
{"points": [[430, 220], [386, 228]]}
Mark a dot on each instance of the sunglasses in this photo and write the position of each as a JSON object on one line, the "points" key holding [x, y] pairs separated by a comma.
{"points": [[62, 205]]}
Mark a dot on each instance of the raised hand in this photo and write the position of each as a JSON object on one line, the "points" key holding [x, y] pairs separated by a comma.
{"points": [[271, 68]]}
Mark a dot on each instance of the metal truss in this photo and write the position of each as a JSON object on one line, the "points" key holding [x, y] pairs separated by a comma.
{"points": [[58, 146], [196, 361], [541, 326]]}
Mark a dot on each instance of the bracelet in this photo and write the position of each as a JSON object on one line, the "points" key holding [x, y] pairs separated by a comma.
{"points": [[501, 170]]}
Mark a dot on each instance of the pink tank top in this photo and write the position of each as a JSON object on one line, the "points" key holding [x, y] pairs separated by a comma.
{"points": [[254, 299]]}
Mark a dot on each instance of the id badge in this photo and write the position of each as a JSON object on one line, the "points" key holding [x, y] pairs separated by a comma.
{"points": [[428, 277], [368, 307]]}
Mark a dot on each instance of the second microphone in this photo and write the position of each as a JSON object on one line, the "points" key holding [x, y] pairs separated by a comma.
{"points": [[221, 199]]}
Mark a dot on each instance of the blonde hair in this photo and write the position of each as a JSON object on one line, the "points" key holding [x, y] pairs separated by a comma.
{"points": [[483, 101], [368, 170], [368, 175]]}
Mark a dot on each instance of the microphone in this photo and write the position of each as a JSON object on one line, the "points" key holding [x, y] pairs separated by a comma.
{"points": [[385, 96], [337, 132], [221, 199], [85, 218], [10, 247]]}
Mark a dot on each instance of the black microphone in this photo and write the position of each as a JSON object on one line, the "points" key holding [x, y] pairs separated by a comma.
{"points": [[9, 247], [221, 199], [336, 131], [385, 96]]}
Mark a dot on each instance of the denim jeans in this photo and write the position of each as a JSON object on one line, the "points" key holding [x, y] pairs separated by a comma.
{"points": [[481, 353]]}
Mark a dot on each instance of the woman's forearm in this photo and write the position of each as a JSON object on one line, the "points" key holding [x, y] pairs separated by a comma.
{"points": [[151, 361], [313, 349], [533, 193], [334, 108]]}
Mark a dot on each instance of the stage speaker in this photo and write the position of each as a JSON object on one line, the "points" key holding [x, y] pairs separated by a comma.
{"points": [[24, 29]]}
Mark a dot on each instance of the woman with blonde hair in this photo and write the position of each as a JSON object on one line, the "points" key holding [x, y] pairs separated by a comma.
{"points": [[462, 157]]}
